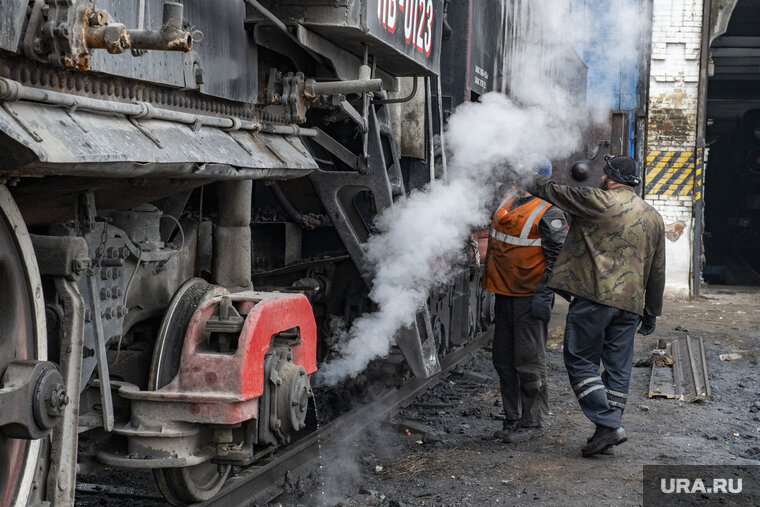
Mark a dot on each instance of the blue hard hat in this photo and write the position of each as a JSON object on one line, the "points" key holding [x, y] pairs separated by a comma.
{"points": [[544, 168]]}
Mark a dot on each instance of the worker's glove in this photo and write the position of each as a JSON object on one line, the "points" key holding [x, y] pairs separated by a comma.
{"points": [[542, 303], [647, 324]]}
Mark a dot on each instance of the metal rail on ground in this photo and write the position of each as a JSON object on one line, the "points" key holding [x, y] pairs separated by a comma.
{"points": [[263, 482], [686, 378]]}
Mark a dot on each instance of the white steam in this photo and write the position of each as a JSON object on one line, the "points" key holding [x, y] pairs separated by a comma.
{"points": [[420, 237]]}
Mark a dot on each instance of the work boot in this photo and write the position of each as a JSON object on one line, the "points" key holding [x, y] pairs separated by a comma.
{"points": [[508, 427], [603, 439], [598, 429], [522, 433], [608, 451]]}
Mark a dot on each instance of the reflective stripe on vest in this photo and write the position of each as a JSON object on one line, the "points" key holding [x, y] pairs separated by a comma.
{"points": [[523, 240], [513, 240], [532, 218]]}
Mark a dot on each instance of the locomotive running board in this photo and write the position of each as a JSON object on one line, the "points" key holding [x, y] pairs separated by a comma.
{"points": [[97, 137]]}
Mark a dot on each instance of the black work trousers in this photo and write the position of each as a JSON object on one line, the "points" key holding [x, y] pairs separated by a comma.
{"points": [[594, 333], [519, 345]]}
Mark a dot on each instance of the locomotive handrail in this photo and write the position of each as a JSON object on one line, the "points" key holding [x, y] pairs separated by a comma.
{"points": [[277, 22], [12, 91], [400, 100]]}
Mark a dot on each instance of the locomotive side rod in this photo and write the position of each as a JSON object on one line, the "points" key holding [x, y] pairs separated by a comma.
{"points": [[262, 483]]}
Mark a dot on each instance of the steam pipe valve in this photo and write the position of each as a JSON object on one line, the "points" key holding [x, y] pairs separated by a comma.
{"points": [[116, 38], [171, 36]]}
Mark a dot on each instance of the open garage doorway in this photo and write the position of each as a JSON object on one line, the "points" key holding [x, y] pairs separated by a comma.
{"points": [[732, 178]]}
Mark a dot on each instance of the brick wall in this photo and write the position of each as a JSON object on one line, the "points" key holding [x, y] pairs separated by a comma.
{"points": [[674, 75], [673, 208], [671, 129]]}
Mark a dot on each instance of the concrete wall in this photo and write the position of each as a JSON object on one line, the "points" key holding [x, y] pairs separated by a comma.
{"points": [[671, 129]]}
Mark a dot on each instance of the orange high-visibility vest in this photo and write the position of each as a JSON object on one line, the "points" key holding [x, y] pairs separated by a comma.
{"points": [[515, 261]]}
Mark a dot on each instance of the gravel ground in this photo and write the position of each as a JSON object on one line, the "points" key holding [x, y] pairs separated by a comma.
{"points": [[440, 450]]}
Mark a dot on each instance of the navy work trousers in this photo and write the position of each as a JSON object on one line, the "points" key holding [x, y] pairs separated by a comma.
{"points": [[519, 344], [594, 333]]}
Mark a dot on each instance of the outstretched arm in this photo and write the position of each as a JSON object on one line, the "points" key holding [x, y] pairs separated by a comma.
{"points": [[585, 202]]}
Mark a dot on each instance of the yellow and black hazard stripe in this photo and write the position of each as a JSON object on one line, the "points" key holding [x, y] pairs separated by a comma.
{"points": [[670, 173], [698, 174]]}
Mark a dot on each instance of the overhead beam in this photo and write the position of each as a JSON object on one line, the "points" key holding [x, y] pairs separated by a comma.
{"points": [[737, 77], [736, 60], [737, 69], [728, 41], [726, 104], [734, 52]]}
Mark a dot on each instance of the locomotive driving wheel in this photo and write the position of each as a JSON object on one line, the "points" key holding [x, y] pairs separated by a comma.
{"points": [[182, 486], [22, 336]]}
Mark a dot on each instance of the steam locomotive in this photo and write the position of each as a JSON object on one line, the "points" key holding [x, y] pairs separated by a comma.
{"points": [[186, 190]]}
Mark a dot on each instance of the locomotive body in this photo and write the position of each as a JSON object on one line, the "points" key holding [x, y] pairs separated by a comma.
{"points": [[186, 193]]}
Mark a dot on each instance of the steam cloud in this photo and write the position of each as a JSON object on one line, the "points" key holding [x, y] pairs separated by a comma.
{"points": [[420, 237]]}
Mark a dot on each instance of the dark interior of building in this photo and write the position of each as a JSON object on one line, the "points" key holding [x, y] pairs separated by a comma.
{"points": [[732, 177]]}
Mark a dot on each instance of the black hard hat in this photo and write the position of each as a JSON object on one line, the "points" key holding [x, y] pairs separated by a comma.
{"points": [[621, 169], [580, 171]]}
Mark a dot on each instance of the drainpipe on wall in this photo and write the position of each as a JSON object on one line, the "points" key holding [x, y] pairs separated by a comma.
{"points": [[699, 159], [642, 90]]}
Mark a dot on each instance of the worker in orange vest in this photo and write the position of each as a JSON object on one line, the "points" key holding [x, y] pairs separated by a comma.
{"points": [[525, 238]]}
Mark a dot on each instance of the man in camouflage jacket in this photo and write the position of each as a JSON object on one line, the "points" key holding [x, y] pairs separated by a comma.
{"points": [[613, 266]]}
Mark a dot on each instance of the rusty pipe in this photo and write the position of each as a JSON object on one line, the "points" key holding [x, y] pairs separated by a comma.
{"points": [[161, 40], [113, 38], [171, 36], [116, 38]]}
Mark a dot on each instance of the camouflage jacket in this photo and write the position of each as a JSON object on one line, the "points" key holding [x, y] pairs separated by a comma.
{"points": [[615, 250]]}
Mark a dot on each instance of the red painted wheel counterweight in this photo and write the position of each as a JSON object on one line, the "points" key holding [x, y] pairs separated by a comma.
{"points": [[237, 377]]}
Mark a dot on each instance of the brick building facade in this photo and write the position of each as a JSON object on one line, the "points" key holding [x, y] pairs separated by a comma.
{"points": [[672, 128]]}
